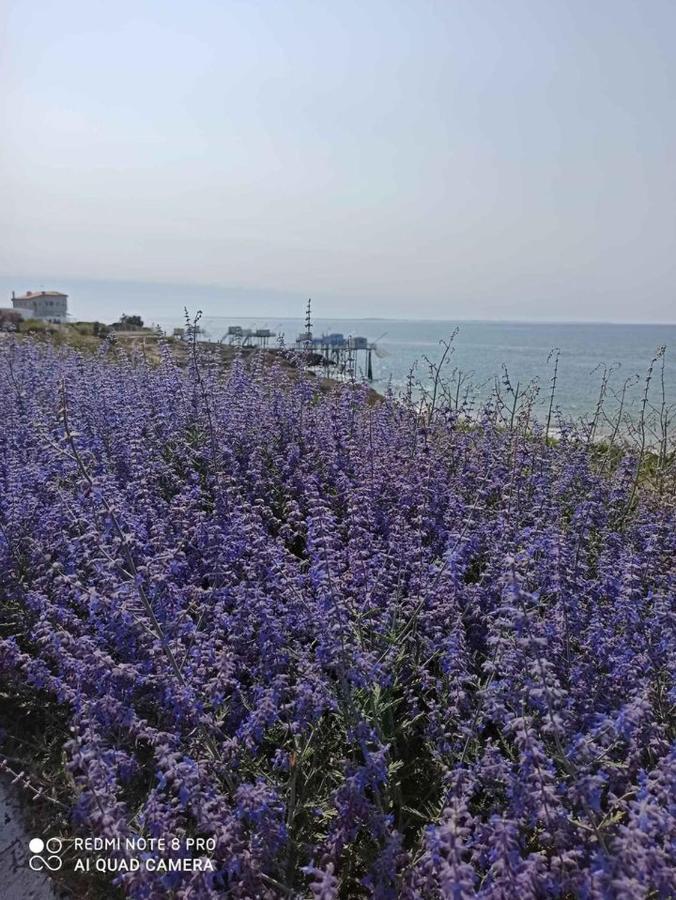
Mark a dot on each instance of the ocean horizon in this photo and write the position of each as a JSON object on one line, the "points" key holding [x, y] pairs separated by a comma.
{"points": [[482, 348], [483, 351]]}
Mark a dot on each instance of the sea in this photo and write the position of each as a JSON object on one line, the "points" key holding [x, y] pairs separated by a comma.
{"points": [[482, 350], [524, 352]]}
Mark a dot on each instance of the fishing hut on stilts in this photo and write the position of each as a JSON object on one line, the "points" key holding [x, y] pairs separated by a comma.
{"points": [[348, 357]]}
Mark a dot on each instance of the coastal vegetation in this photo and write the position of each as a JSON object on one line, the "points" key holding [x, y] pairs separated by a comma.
{"points": [[365, 649]]}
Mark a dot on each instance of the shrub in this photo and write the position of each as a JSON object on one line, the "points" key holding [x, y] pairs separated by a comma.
{"points": [[368, 652], [9, 320], [128, 323]]}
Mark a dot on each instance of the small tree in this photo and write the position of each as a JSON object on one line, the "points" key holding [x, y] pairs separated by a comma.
{"points": [[10, 319], [127, 323]]}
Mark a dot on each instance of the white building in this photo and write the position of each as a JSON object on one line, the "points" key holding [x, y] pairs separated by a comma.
{"points": [[49, 305]]}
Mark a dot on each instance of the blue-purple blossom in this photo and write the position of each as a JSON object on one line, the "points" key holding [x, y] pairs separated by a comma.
{"points": [[369, 653]]}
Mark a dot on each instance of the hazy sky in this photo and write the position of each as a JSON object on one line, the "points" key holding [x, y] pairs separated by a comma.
{"points": [[466, 158]]}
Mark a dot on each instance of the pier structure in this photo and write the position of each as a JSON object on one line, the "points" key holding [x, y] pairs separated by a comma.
{"points": [[339, 356], [189, 332], [249, 337], [350, 357]]}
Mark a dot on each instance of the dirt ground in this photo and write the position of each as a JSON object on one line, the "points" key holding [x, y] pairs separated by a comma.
{"points": [[17, 880]]}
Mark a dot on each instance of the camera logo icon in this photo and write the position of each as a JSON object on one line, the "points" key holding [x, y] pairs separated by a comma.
{"points": [[51, 860]]}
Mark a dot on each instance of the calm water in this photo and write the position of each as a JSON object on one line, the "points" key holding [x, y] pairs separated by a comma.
{"points": [[481, 348]]}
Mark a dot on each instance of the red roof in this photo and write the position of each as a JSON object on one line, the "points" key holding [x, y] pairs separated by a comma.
{"points": [[31, 295]]}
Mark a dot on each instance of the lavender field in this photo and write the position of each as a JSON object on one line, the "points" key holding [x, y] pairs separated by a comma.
{"points": [[365, 649]]}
